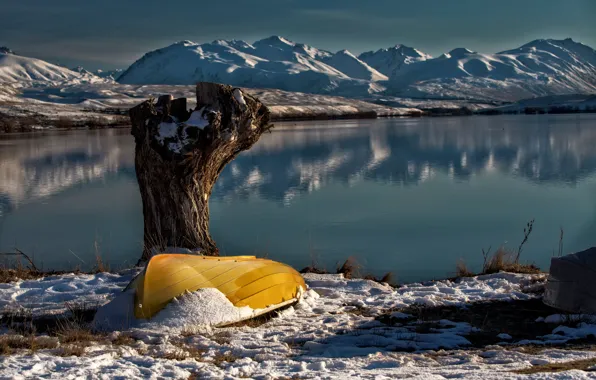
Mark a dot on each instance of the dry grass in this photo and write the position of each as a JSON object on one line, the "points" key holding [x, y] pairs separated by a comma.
{"points": [[226, 357], [582, 365], [516, 318], [221, 338], [74, 333], [386, 278], [81, 312], [75, 327], [189, 351], [350, 268], [504, 260], [15, 270], [462, 270], [123, 340], [19, 320], [100, 265], [11, 343], [313, 269], [76, 349], [177, 354]]}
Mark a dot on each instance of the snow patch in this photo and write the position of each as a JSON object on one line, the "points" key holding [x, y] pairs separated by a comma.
{"points": [[166, 131], [320, 337], [197, 119], [205, 307], [239, 97]]}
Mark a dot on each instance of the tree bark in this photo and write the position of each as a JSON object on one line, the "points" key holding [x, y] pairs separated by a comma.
{"points": [[179, 155]]}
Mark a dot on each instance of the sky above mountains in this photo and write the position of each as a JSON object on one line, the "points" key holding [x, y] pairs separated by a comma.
{"points": [[114, 33]]}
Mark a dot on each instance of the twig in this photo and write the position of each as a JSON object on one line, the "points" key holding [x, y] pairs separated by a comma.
{"points": [[527, 232], [561, 242], [19, 252], [485, 255], [33, 267]]}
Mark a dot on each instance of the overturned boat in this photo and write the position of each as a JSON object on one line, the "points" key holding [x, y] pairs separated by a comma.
{"points": [[261, 284]]}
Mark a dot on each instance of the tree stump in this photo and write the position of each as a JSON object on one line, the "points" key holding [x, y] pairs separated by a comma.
{"points": [[179, 155]]}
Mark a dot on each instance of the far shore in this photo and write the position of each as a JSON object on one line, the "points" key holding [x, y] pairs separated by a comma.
{"points": [[29, 124]]}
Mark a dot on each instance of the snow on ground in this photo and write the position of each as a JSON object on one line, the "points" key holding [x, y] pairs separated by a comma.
{"points": [[108, 102], [332, 334], [49, 294]]}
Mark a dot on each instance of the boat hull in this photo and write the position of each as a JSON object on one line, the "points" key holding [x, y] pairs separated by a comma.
{"points": [[261, 284]]}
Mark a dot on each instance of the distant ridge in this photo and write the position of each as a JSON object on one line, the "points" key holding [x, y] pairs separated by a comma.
{"points": [[541, 67]]}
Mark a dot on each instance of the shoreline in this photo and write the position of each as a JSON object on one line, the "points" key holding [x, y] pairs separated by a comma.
{"points": [[49, 127]]}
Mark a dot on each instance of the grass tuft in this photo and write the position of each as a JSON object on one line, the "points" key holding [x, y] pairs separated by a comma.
{"points": [[350, 268], [462, 270], [11, 343], [504, 260], [76, 349], [582, 365]]}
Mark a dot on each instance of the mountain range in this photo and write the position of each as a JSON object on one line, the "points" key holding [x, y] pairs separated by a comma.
{"points": [[540, 68]]}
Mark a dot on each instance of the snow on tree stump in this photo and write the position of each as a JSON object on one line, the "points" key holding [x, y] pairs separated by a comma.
{"points": [[179, 155]]}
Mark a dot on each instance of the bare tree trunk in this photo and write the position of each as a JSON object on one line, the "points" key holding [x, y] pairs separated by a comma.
{"points": [[179, 155]]}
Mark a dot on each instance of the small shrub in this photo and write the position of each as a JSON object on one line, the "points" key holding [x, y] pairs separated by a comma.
{"points": [[70, 331], [462, 270], [503, 260], [349, 268], [386, 278], [313, 269]]}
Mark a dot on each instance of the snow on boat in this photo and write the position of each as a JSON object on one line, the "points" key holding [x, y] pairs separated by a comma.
{"points": [[261, 284]]}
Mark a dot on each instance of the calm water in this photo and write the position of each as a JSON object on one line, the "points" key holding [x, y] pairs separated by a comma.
{"points": [[412, 196]]}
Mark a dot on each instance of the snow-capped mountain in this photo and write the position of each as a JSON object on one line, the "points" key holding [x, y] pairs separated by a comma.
{"points": [[542, 67], [109, 74], [274, 62], [390, 61], [105, 74], [82, 70], [15, 68], [539, 68], [352, 66]]}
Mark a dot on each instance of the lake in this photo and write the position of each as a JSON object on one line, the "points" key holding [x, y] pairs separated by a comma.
{"points": [[411, 196]]}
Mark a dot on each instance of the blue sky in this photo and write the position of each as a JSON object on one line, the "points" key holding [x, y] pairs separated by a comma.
{"points": [[114, 33]]}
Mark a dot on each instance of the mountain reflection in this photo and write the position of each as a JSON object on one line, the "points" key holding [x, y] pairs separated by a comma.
{"points": [[298, 159], [41, 165], [408, 152]]}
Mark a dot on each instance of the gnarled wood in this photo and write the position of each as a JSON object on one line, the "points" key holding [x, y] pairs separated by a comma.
{"points": [[180, 154]]}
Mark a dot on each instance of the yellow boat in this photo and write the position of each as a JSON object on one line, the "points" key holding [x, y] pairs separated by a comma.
{"points": [[261, 284]]}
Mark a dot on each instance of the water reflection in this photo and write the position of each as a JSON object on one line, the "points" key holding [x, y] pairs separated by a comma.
{"points": [[60, 191], [408, 152], [41, 165]]}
